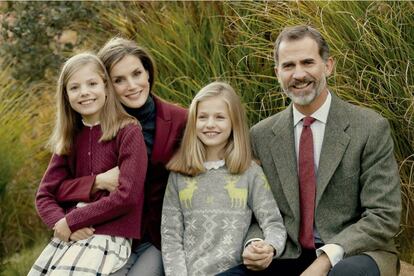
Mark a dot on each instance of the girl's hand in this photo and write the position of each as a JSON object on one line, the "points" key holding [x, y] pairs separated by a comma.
{"points": [[258, 255], [82, 234], [107, 180], [62, 230]]}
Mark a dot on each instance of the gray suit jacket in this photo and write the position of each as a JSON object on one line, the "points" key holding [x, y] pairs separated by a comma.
{"points": [[358, 198]]}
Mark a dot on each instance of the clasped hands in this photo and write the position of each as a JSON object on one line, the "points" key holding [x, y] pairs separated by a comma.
{"points": [[63, 232], [103, 181], [258, 255]]}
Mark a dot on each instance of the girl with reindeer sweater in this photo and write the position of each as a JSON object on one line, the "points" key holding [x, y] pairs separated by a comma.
{"points": [[213, 189]]}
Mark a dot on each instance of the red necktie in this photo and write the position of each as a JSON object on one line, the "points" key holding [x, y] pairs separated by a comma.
{"points": [[307, 185]]}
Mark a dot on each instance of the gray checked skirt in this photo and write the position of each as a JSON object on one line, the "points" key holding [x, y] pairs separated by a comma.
{"points": [[97, 255]]}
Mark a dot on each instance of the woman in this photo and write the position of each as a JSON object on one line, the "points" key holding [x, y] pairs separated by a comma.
{"points": [[132, 71]]}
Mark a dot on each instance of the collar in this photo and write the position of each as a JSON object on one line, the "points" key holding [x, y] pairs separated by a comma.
{"points": [[90, 125], [143, 113], [321, 114], [209, 165]]}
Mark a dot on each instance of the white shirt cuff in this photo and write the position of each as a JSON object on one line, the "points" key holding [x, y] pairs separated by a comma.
{"points": [[334, 252], [252, 240]]}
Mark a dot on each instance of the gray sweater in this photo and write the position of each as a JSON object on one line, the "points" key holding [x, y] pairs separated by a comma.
{"points": [[205, 220]]}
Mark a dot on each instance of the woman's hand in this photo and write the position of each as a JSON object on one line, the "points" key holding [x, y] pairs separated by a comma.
{"points": [[62, 230], [82, 234], [108, 180]]}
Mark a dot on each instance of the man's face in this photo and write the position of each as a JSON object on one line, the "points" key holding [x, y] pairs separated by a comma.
{"points": [[301, 71]]}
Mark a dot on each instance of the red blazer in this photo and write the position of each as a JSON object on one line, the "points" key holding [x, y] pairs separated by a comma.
{"points": [[169, 126]]}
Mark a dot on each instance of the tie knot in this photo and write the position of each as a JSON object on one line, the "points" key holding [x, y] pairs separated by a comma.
{"points": [[307, 121]]}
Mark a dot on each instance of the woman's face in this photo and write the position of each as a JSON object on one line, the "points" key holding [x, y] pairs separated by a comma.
{"points": [[131, 81]]}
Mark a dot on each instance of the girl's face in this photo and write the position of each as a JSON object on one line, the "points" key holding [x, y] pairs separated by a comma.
{"points": [[86, 93], [130, 80], [213, 126]]}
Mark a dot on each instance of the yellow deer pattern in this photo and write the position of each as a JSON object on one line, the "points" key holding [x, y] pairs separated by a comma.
{"points": [[186, 194], [265, 182], [238, 196]]}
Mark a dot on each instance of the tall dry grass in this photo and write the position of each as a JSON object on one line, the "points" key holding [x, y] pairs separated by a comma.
{"points": [[21, 151], [197, 42]]}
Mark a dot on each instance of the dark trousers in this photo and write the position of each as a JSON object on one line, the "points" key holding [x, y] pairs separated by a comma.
{"points": [[359, 265]]}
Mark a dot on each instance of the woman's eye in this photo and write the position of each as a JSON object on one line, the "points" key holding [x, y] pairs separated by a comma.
{"points": [[136, 73]]}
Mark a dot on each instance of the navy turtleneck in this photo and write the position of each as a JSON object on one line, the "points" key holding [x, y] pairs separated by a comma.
{"points": [[146, 117]]}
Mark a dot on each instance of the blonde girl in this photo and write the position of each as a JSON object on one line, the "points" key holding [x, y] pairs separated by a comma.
{"points": [[214, 188], [92, 134]]}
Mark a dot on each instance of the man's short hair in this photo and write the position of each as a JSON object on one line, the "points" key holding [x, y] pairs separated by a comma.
{"points": [[299, 32]]}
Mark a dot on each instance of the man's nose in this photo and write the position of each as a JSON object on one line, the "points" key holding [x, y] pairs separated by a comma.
{"points": [[299, 73]]}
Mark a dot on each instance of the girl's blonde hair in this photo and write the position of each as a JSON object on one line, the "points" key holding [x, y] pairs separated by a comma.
{"points": [[69, 122], [191, 155]]}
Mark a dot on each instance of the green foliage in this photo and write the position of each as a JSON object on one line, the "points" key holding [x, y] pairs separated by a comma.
{"points": [[20, 263], [32, 35]]}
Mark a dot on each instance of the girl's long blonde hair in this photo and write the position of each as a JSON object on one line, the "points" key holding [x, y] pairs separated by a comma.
{"points": [[191, 155], [69, 122]]}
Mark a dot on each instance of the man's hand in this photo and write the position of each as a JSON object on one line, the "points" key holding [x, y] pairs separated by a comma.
{"points": [[319, 267], [82, 234], [62, 230], [108, 180], [258, 255]]}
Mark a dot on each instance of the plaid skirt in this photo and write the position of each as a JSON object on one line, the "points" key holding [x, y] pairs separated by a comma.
{"points": [[97, 255]]}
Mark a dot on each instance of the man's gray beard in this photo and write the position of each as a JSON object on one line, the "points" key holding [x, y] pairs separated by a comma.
{"points": [[306, 99]]}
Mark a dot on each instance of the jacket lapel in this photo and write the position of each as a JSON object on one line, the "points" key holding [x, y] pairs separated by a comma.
{"points": [[335, 142], [284, 156], [162, 130]]}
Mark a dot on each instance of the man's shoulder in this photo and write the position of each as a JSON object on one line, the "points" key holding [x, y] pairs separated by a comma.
{"points": [[268, 123], [359, 113]]}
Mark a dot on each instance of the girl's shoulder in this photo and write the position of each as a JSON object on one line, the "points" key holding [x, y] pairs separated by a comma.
{"points": [[130, 129], [255, 167], [254, 171]]}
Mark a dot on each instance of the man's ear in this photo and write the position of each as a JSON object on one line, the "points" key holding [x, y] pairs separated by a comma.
{"points": [[329, 66], [276, 71]]}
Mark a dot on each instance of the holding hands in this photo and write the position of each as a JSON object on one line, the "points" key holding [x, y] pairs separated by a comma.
{"points": [[258, 255]]}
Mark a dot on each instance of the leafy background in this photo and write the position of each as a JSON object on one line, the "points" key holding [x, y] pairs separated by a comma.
{"points": [[193, 43]]}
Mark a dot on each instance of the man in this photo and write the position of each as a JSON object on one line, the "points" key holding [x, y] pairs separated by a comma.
{"points": [[337, 187]]}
